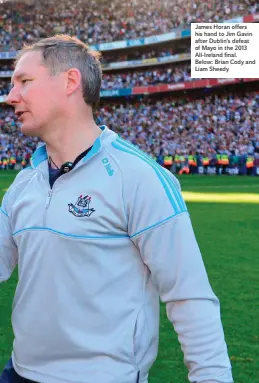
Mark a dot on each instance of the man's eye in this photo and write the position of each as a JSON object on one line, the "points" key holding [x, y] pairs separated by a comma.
{"points": [[24, 81]]}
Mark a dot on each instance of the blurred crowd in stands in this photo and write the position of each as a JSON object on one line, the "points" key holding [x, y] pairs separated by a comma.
{"points": [[5, 86], [129, 79], [209, 125], [101, 21], [127, 56], [6, 67], [148, 76], [137, 54], [218, 124], [14, 146]]}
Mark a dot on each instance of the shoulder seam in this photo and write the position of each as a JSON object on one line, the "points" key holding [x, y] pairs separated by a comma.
{"points": [[136, 148], [172, 191], [3, 212], [12, 188], [158, 224]]}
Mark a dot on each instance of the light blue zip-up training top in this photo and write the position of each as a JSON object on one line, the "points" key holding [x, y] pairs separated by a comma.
{"points": [[94, 254]]}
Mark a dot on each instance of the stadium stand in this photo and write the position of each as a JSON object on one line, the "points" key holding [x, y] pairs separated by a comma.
{"points": [[147, 93], [98, 22], [140, 55], [226, 124]]}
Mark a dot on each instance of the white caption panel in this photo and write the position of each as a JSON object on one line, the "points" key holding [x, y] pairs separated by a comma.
{"points": [[224, 50]]}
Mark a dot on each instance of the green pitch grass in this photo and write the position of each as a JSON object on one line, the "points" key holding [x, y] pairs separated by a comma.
{"points": [[225, 216]]}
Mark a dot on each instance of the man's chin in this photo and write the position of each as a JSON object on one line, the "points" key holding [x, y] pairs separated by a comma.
{"points": [[28, 130]]}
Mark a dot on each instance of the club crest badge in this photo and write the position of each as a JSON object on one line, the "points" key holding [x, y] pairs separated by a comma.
{"points": [[81, 207]]}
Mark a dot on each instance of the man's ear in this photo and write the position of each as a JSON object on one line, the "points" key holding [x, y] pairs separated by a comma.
{"points": [[73, 80]]}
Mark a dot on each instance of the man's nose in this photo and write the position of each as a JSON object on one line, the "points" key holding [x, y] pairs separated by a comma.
{"points": [[13, 97]]}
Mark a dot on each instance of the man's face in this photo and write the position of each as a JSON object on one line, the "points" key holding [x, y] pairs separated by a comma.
{"points": [[35, 93]]}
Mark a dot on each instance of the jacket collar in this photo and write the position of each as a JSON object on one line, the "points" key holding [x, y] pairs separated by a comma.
{"points": [[40, 156]]}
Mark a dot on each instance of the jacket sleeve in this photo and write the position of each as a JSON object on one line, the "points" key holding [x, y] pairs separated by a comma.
{"points": [[8, 248], [161, 229]]}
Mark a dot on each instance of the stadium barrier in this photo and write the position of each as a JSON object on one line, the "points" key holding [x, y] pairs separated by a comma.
{"points": [[232, 171], [215, 170]]}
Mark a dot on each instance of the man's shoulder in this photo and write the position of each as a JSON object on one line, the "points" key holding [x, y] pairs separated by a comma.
{"points": [[130, 158], [22, 177], [20, 181], [139, 168], [144, 181]]}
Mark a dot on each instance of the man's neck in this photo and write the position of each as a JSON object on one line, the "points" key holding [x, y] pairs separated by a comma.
{"points": [[67, 147]]}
